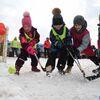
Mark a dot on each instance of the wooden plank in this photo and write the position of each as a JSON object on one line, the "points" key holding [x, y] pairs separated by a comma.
{"points": [[3, 44]]}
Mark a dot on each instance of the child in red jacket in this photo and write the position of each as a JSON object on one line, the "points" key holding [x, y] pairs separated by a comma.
{"points": [[47, 46], [29, 37], [82, 41]]}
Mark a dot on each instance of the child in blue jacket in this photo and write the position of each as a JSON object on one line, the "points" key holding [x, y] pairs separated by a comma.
{"points": [[60, 40]]}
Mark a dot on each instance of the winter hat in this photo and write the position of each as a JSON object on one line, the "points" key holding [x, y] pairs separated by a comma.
{"points": [[26, 19], [79, 20], [57, 18], [47, 38]]}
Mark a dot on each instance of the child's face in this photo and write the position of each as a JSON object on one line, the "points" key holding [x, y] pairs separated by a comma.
{"points": [[27, 28], [78, 27], [58, 27]]}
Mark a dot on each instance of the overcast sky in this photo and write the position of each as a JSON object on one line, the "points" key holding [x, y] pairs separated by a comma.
{"points": [[11, 13]]}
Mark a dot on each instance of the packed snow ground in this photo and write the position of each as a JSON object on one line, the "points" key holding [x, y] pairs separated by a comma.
{"points": [[37, 86]]}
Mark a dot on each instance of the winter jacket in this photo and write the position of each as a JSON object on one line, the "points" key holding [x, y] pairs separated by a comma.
{"points": [[47, 44], [64, 40], [81, 41], [26, 39], [15, 44]]}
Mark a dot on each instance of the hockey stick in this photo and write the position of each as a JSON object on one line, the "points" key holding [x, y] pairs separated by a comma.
{"points": [[40, 63], [76, 61]]}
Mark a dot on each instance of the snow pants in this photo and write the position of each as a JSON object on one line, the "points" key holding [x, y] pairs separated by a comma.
{"points": [[95, 60], [15, 50], [63, 56], [23, 57], [46, 52]]}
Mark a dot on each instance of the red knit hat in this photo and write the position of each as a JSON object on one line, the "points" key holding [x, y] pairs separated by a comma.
{"points": [[26, 19]]}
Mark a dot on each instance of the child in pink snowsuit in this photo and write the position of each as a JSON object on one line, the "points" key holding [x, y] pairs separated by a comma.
{"points": [[29, 37]]}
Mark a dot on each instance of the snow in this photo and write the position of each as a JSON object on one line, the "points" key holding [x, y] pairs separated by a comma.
{"points": [[37, 86]]}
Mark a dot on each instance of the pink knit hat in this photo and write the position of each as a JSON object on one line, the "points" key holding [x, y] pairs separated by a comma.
{"points": [[26, 19]]}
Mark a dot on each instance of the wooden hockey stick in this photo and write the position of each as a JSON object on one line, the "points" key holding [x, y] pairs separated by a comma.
{"points": [[40, 63]]}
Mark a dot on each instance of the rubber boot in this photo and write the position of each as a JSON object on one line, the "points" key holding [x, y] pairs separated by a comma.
{"points": [[68, 70], [17, 70], [60, 68], [35, 69], [49, 70], [61, 72]]}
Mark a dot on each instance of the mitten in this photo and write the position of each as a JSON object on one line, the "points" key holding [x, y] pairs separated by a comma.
{"points": [[77, 52], [57, 44], [31, 50]]}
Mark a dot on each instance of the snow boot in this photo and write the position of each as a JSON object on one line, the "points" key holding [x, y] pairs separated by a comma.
{"points": [[60, 68], [17, 70], [96, 70], [68, 70], [61, 72], [35, 69], [49, 70]]}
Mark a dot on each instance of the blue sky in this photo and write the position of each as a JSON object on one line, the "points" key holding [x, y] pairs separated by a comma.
{"points": [[11, 13]]}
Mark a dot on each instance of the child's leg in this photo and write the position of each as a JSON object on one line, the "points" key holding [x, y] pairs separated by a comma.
{"points": [[34, 64], [62, 60], [51, 60], [20, 61], [48, 52], [45, 52], [97, 62], [94, 59], [70, 62]]}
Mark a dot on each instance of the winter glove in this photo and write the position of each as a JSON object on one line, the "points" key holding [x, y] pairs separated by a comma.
{"points": [[64, 45], [70, 47], [77, 52], [31, 50], [33, 42], [58, 44]]}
